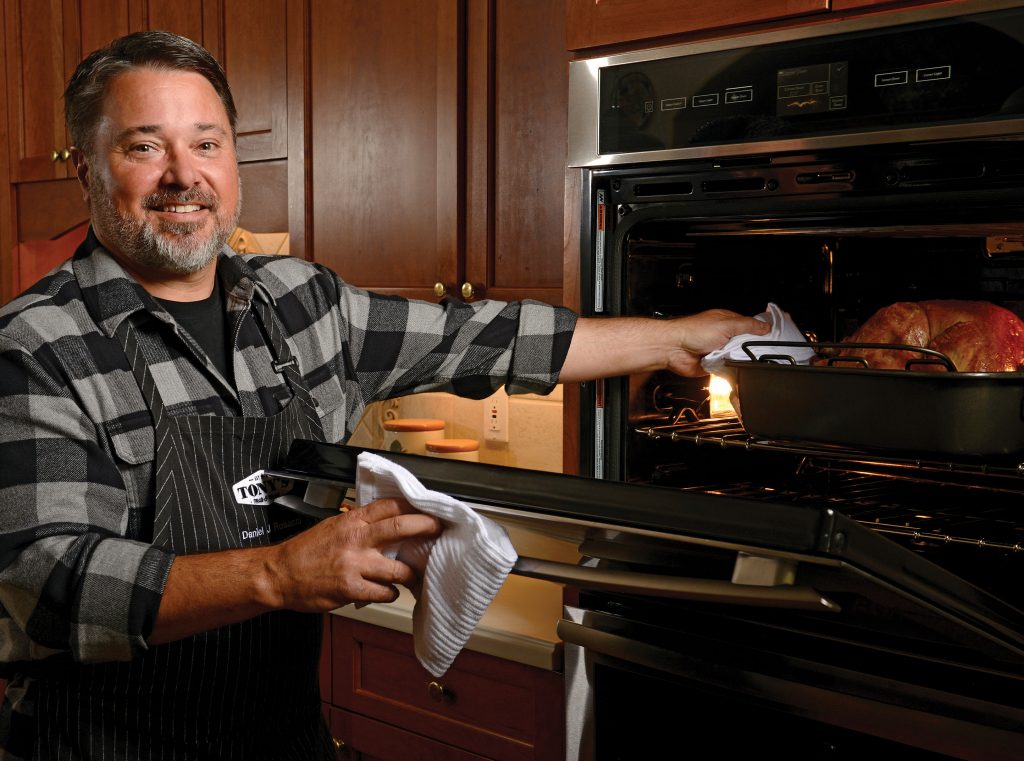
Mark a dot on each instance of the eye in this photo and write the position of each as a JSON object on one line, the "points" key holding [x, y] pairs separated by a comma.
{"points": [[208, 145], [141, 148]]}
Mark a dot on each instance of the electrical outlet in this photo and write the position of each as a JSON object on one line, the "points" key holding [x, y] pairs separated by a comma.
{"points": [[496, 418]]}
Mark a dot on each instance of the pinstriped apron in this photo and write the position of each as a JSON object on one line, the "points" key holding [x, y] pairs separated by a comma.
{"points": [[245, 691]]}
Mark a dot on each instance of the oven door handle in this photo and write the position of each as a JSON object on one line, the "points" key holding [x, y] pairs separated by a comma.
{"points": [[675, 587]]}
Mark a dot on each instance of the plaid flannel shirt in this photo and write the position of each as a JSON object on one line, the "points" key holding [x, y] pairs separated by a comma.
{"points": [[78, 578]]}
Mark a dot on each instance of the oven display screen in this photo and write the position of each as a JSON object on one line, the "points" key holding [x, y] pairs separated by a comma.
{"points": [[811, 89]]}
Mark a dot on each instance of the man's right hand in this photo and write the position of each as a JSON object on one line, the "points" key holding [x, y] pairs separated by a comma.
{"points": [[341, 559], [337, 561]]}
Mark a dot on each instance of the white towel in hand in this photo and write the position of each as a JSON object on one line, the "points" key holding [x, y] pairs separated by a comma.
{"points": [[462, 569], [783, 329]]}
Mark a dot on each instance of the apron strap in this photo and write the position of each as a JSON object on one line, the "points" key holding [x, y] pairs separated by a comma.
{"points": [[284, 362], [125, 333]]}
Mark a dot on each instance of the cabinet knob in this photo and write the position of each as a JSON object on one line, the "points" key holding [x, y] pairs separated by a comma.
{"points": [[440, 290], [62, 155], [439, 693], [467, 291], [340, 746]]}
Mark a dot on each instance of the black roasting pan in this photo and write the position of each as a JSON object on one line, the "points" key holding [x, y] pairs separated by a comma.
{"points": [[914, 410]]}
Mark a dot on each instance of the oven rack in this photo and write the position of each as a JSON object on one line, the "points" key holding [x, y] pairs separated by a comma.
{"points": [[935, 504], [893, 507], [729, 432]]}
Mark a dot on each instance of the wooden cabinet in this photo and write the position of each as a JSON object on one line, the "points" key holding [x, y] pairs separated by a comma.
{"points": [[438, 146], [517, 115], [386, 142], [43, 46], [592, 23], [386, 706]]}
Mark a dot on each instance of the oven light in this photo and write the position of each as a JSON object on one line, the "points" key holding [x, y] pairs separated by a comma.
{"points": [[719, 389]]}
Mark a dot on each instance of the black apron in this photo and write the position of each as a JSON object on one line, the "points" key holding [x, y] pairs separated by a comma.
{"points": [[245, 691]]}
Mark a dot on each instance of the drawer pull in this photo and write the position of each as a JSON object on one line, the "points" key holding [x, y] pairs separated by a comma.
{"points": [[340, 746], [439, 693]]}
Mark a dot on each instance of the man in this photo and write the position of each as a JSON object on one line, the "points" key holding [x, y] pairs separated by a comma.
{"points": [[145, 613]]}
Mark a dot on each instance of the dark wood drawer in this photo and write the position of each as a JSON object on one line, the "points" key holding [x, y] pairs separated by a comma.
{"points": [[360, 738], [486, 705]]}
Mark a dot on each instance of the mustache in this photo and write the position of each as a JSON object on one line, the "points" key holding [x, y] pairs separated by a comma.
{"points": [[190, 196]]}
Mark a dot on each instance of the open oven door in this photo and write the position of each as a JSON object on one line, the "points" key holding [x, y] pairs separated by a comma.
{"points": [[800, 561]]}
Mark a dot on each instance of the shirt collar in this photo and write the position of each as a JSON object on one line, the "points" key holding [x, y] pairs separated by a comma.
{"points": [[111, 294]]}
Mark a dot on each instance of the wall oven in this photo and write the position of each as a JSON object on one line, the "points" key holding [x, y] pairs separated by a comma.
{"points": [[834, 170], [817, 594]]}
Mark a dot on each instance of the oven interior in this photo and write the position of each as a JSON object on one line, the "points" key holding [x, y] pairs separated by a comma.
{"points": [[909, 225]]}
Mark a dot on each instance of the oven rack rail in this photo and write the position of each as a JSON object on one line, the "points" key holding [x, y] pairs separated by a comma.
{"points": [[728, 432], [873, 502], [908, 498]]}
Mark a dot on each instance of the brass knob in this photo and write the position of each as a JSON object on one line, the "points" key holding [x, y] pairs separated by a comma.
{"points": [[339, 745], [54, 155], [467, 291], [440, 290], [439, 693], [65, 154]]}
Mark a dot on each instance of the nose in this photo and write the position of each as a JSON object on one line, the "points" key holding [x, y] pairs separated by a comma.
{"points": [[181, 171]]}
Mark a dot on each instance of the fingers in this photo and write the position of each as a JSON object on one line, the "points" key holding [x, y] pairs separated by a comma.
{"points": [[341, 559], [393, 520]]}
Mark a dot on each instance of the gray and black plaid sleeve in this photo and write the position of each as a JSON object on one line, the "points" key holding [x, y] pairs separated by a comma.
{"points": [[400, 347], [69, 582]]}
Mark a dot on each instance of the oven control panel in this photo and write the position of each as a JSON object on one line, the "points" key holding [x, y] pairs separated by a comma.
{"points": [[961, 69]]}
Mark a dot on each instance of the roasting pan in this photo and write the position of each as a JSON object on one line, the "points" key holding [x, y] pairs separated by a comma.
{"points": [[930, 411]]}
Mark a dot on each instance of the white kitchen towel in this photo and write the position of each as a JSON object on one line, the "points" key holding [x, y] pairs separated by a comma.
{"points": [[462, 569], [783, 329]]}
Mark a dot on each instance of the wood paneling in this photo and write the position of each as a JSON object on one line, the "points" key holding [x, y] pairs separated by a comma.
{"points": [[47, 210], [264, 196], [385, 141], [33, 259], [255, 56], [530, 130], [35, 83], [100, 23], [184, 17], [592, 23]]}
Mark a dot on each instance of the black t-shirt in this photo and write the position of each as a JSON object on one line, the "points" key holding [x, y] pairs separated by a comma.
{"points": [[206, 323]]}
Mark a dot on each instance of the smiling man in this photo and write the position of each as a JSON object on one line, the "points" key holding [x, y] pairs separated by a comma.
{"points": [[144, 612]]}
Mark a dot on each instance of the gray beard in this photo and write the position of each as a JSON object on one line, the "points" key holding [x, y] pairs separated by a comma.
{"points": [[185, 253]]}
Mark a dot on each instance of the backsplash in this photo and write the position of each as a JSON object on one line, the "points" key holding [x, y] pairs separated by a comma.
{"points": [[534, 425]]}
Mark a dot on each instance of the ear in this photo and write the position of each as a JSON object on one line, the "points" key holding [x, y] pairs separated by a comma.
{"points": [[81, 164]]}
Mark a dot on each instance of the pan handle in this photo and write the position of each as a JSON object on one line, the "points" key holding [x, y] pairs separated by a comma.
{"points": [[930, 356]]}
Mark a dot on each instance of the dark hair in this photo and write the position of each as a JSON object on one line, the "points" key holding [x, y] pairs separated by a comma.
{"points": [[83, 98]]}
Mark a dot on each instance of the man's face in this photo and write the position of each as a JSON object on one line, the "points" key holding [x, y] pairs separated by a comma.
{"points": [[162, 180]]}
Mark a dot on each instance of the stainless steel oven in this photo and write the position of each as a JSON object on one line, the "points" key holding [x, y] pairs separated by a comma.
{"points": [[833, 170]]}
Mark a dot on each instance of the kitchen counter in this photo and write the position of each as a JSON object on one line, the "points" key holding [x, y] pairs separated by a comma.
{"points": [[519, 625]]}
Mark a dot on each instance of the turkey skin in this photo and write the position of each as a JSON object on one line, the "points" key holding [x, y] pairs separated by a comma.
{"points": [[977, 336]]}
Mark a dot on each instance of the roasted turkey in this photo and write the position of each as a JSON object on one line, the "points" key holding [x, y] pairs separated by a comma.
{"points": [[977, 336]]}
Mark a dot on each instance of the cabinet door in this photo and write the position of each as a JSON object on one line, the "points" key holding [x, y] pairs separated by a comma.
{"points": [[45, 40], [385, 141], [255, 57], [40, 38], [517, 85], [606, 22]]}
